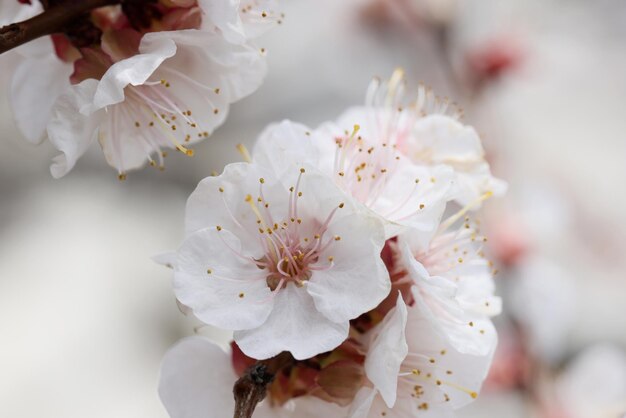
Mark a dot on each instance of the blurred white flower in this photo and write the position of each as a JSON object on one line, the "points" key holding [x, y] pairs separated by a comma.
{"points": [[171, 90], [542, 297], [197, 380], [176, 91], [404, 195], [284, 261], [425, 376], [38, 69], [594, 385]]}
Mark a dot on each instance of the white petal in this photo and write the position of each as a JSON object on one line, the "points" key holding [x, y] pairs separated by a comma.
{"points": [[223, 14], [222, 288], [440, 139], [132, 71], [407, 406], [295, 325], [312, 407], [448, 140], [69, 131], [473, 184], [415, 207], [236, 25], [208, 206], [36, 84], [359, 280], [196, 380], [387, 352], [237, 70], [284, 144]]}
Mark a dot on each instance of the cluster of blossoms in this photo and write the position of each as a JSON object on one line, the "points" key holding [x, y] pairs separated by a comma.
{"points": [[140, 78], [353, 248]]}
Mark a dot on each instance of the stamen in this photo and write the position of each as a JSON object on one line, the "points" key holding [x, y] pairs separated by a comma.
{"points": [[452, 219], [244, 153]]}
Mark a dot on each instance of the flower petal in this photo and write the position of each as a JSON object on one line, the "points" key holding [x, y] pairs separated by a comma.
{"points": [[239, 22], [209, 206], [295, 325], [237, 70], [359, 280], [132, 71], [197, 380], [70, 131], [387, 352], [32, 77], [224, 289], [283, 144]]}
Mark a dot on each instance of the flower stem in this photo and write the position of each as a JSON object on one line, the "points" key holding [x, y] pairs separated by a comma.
{"points": [[251, 388], [53, 20]]}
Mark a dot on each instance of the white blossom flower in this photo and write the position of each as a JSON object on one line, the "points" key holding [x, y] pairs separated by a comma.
{"points": [[403, 194], [593, 385], [428, 132], [175, 92], [197, 381], [427, 378], [284, 261], [454, 286]]}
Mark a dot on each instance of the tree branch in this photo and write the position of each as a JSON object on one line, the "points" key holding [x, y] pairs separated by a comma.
{"points": [[53, 20], [251, 388]]}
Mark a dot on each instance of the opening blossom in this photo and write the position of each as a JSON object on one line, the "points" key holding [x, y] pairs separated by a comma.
{"points": [[284, 261], [427, 131], [402, 194], [414, 372], [158, 78], [453, 284]]}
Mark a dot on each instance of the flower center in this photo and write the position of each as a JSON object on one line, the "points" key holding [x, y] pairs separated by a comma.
{"points": [[157, 119], [291, 255]]}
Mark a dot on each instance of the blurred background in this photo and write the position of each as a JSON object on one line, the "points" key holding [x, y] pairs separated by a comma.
{"points": [[86, 316]]}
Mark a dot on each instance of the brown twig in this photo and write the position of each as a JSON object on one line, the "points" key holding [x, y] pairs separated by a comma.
{"points": [[53, 20], [251, 388]]}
